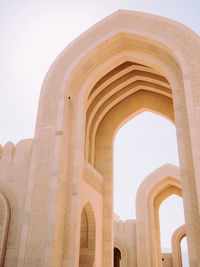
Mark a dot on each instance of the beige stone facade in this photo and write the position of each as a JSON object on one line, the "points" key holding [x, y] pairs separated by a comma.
{"points": [[56, 190]]}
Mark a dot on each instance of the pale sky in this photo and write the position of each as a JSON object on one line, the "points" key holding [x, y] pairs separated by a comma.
{"points": [[146, 142], [34, 32]]}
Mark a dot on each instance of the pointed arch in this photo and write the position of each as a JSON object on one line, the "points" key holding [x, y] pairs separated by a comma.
{"points": [[87, 237], [156, 187], [177, 236], [9, 222], [4, 226], [124, 255]]}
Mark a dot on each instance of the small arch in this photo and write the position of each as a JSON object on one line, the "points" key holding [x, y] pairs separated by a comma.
{"points": [[148, 199], [87, 237], [4, 226], [167, 190], [124, 255], [11, 236], [177, 236], [117, 257]]}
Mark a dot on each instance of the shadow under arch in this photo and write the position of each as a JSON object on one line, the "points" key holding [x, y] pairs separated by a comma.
{"points": [[153, 190], [87, 237], [124, 255], [134, 36]]}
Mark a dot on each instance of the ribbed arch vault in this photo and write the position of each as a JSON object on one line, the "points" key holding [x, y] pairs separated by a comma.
{"points": [[129, 84]]}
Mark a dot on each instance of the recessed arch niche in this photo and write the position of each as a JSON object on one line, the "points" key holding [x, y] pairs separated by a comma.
{"points": [[87, 237], [123, 250]]}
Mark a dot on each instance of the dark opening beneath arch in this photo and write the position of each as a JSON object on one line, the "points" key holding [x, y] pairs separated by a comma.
{"points": [[117, 257]]}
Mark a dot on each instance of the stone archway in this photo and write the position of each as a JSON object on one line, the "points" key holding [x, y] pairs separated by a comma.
{"points": [[78, 118], [87, 237], [9, 223], [154, 189], [117, 257], [176, 246], [124, 254], [4, 226]]}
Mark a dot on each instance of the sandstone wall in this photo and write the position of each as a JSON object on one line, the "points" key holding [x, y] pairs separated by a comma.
{"points": [[167, 260], [14, 173], [125, 241]]}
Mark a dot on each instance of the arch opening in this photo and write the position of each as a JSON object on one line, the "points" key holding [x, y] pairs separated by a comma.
{"points": [[116, 97], [125, 92], [179, 248], [160, 199], [130, 84], [184, 252], [159, 185], [87, 237], [117, 257], [171, 216], [142, 145]]}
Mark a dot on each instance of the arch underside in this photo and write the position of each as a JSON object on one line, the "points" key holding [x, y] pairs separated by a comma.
{"points": [[123, 92]]}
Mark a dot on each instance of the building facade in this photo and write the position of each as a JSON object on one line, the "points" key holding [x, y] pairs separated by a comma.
{"points": [[56, 190]]}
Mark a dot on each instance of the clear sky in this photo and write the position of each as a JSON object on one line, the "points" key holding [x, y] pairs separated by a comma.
{"points": [[34, 32], [142, 145]]}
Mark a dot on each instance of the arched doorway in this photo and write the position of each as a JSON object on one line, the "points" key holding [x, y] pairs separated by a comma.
{"points": [[118, 244], [117, 257], [154, 189], [137, 154], [87, 237], [120, 107], [166, 191], [177, 236], [171, 216]]}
